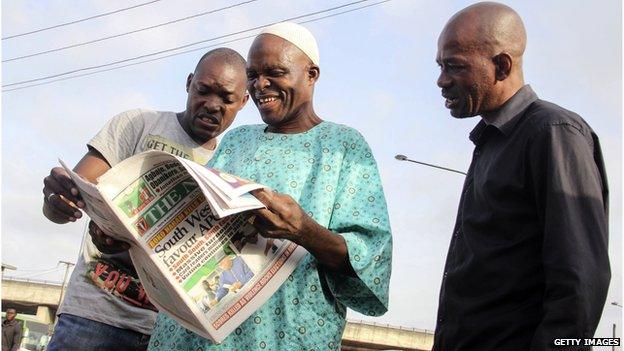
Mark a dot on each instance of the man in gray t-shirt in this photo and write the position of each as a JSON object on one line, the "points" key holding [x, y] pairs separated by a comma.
{"points": [[105, 306]]}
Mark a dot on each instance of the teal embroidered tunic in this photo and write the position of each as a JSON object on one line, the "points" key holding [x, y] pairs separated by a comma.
{"points": [[330, 171]]}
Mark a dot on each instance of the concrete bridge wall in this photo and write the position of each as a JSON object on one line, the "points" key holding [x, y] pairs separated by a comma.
{"points": [[373, 336], [32, 297], [361, 336], [25, 291]]}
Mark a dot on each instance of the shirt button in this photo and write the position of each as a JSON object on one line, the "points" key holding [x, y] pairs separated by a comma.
{"points": [[257, 158], [445, 274]]}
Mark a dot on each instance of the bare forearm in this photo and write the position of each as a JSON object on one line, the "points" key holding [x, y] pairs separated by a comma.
{"points": [[330, 249], [283, 218]]}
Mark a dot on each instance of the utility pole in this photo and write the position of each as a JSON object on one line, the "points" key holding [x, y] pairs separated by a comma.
{"points": [[617, 304], [67, 265]]}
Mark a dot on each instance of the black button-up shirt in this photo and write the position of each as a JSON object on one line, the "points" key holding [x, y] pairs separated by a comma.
{"points": [[528, 259]]}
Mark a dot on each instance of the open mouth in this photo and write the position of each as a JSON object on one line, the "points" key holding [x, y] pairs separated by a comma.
{"points": [[207, 122], [267, 102], [450, 102], [208, 119]]}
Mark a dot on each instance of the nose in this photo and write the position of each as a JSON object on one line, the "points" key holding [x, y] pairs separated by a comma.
{"points": [[260, 83], [213, 106], [443, 80]]}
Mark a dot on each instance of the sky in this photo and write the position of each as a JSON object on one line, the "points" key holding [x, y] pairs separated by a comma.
{"points": [[378, 75]]}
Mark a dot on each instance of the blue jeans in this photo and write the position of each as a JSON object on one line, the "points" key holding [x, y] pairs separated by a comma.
{"points": [[80, 334]]}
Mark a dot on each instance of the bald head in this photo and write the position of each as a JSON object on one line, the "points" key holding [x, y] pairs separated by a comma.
{"points": [[480, 56], [489, 27], [225, 55]]}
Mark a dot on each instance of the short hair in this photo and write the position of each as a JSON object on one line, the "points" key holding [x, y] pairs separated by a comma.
{"points": [[229, 56], [11, 309]]}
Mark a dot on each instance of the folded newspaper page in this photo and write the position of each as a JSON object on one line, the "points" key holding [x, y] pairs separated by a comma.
{"points": [[195, 251]]}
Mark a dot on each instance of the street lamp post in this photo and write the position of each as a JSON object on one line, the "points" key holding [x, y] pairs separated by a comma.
{"points": [[614, 303], [404, 158], [7, 266]]}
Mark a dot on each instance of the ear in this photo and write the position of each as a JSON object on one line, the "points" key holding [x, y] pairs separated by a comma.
{"points": [[503, 63], [189, 79], [245, 99], [314, 72]]}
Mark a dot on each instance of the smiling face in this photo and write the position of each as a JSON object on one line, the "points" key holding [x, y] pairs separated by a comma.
{"points": [[280, 80], [216, 92], [467, 76]]}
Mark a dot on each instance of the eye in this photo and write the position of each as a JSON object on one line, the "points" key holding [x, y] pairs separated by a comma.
{"points": [[251, 75], [276, 73], [453, 67]]}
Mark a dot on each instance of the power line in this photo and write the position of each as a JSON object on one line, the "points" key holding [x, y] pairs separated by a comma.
{"points": [[126, 33], [129, 64], [36, 270], [80, 20], [32, 275], [343, 12], [187, 51], [179, 47]]}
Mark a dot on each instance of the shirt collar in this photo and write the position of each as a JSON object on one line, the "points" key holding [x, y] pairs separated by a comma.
{"points": [[8, 322], [507, 116]]}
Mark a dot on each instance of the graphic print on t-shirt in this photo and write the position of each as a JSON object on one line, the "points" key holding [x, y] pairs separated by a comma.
{"points": [[156, 142], [113, 276], [119, 282]]}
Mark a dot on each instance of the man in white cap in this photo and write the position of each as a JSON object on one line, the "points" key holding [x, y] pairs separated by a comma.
{"points": [[328, 198]]}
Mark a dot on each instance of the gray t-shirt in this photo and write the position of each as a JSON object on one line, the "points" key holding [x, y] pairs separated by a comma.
{"points": [[103, 287]]}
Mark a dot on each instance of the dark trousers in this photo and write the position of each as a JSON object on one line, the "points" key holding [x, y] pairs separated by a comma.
{"points": [[80, 334]]}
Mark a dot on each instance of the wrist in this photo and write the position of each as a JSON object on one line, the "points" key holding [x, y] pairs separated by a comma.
{"points": [[308, 227]]}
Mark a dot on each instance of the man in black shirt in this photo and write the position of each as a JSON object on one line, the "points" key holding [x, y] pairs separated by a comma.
{"points": [[528, 260]]}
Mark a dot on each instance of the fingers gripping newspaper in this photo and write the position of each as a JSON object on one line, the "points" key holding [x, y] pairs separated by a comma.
{"points": [[195, 251]]}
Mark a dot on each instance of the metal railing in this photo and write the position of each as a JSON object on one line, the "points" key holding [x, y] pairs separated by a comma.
{"points": [[32, 280], [374, 324]]}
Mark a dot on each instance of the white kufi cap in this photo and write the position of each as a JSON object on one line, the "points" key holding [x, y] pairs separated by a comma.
{"points": [[297, 35]]}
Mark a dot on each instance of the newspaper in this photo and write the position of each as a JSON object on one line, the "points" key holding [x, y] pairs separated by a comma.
{"points": [[195, 251]]}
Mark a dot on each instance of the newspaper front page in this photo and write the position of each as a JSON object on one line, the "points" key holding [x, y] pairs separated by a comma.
{"points": [[195, 251]]}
